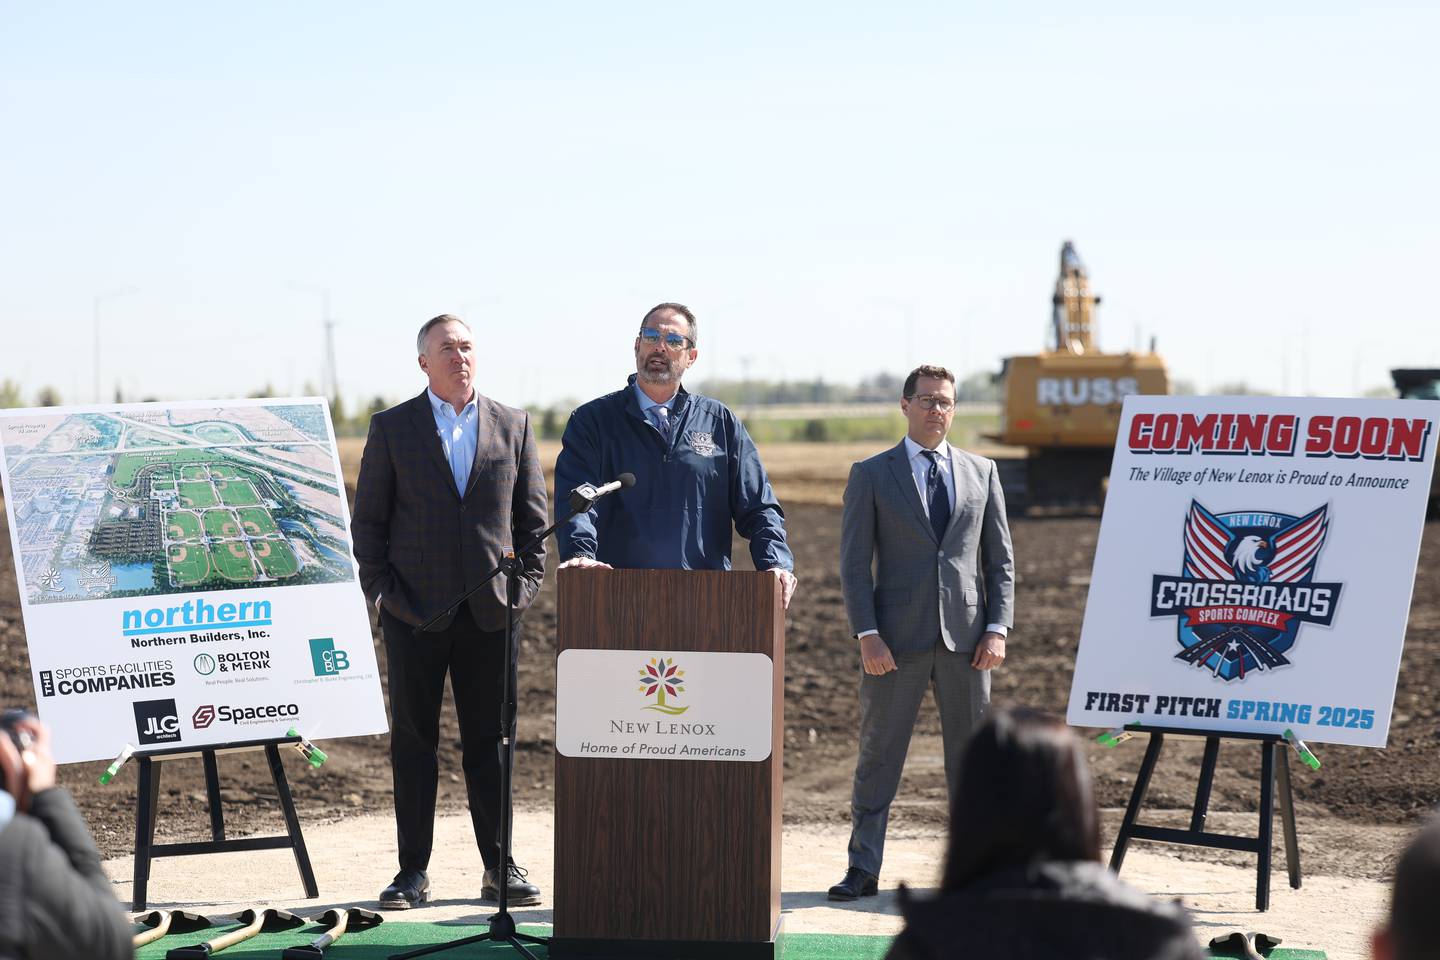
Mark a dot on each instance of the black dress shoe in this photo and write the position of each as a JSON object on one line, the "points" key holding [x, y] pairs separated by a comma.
{"points": [[857, 884], [518, 892], [409, 888]]}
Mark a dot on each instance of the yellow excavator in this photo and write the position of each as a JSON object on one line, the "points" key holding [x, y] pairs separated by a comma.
{"points": [[1063, 405]]}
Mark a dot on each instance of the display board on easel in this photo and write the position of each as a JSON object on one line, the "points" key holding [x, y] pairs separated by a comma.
{"points": [[1254, 566], [186, 576], [1252, 582]]}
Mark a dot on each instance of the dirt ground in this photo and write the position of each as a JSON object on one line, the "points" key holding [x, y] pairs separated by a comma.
{"points": [[1353, 815]]}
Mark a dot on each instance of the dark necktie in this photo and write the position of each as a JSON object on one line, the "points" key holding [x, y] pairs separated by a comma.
{"points": [[937, 498]]}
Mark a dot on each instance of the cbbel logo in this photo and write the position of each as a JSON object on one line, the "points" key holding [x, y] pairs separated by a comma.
{"points": [[325, 660], [203, 717], [156, 721]]}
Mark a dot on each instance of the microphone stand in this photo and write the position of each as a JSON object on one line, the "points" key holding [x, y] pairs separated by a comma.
{"points": [[502, 925]]}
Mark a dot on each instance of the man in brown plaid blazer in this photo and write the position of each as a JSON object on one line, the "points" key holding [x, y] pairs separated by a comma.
{"points": [[449, 482]]}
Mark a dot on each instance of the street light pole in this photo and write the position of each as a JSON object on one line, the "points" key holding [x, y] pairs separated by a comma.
{"points": [[329, 385]]}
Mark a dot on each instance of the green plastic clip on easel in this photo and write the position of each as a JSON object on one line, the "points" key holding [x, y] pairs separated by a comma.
{"points": [[1312, 761], [312, 754], [115, 766], [1113, 738]]}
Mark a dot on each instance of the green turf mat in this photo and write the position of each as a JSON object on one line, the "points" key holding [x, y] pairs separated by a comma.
{"points": [[398, 936], [377, 942]]}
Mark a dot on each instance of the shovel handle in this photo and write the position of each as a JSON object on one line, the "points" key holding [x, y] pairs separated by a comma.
{"points": [[154, 933], [236, 936], [333, 934]]}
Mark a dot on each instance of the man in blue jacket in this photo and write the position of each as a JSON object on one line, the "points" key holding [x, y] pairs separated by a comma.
{"points": [[696, 470]]}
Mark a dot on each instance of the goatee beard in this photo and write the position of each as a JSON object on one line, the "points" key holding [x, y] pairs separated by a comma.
{"points": [[663, 376]]}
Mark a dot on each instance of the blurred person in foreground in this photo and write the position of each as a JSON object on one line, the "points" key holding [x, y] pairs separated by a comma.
{"points": [[1023, 878], [697, 472], [1412, 931], [55, 901]]}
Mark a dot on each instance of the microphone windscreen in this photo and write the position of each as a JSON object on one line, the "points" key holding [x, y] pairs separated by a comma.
{"points": [[626, 480]]}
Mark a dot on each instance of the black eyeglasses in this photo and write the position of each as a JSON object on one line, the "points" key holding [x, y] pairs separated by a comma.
{"points": [[932, 402], [672, 340]]}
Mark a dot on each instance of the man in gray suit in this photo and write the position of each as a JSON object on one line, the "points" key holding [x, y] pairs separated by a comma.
{"points": [[936, 610], [449, 482]]}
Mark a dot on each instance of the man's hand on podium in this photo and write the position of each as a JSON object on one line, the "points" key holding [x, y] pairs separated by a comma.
{"points": [[787, 584], [585, 562]]}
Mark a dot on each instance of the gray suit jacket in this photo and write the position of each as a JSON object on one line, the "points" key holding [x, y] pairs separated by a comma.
{"points": [[419, 542], [921, 591]]}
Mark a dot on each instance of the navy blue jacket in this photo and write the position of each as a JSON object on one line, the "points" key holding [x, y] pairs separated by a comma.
{"points": [[679, 513]]}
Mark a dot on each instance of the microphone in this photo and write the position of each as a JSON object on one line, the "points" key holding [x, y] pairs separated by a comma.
{"points": [[583, 497]]}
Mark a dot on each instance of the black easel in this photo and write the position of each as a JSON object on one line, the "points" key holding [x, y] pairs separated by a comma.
{"points": [[1196, 835], [501, 927], [147, 795]]}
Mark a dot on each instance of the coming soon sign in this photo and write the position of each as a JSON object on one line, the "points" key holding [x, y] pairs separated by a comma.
{"points": [[1255, 565]]}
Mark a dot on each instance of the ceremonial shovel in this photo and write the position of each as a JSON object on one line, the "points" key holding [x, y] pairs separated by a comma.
{"points": [[161, 922], [338, 921], [268, 920]]}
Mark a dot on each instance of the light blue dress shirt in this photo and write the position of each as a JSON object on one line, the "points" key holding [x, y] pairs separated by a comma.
{"points": [[459, 435], [646, 403]]}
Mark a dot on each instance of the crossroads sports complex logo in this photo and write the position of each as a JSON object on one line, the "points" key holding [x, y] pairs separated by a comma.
{"points": [[1247, 586]]}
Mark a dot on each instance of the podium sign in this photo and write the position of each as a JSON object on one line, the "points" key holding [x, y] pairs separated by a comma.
{"points": [[660, 853], [671, 705]]}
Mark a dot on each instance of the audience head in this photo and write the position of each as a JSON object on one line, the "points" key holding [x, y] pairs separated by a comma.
{"points": [[1412, 931], [1024, 798]]}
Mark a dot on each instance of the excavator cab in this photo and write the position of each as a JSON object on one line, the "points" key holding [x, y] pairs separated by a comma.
{"points": [[1421, 384]]}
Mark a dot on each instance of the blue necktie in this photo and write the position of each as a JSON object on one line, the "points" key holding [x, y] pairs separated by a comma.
{"points": [[937, 498], [660, 414]]}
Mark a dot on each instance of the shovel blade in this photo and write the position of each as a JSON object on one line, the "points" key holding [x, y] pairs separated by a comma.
{"points": [[362, 919], [183, 921], [275, 920]]}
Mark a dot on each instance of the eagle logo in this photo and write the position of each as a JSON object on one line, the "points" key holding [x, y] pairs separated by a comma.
{"points": [[1247, 585]]}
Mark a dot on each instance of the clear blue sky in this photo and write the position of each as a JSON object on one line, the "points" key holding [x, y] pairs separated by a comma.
{"points": [[836, 188]]}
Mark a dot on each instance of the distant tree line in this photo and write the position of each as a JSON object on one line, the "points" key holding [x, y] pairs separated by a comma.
{"points": [[978, 387]]}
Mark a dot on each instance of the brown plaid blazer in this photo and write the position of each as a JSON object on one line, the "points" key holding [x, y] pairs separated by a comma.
{"points": [[420, 543]]}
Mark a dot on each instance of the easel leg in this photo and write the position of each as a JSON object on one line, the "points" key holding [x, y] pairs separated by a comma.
{"points": [[1202, 788], [1137, 797], [292, 822], [1267, 816], [1287, 819], [147, 798], [212, 793]]}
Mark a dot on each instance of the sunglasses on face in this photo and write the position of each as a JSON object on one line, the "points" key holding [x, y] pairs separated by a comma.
{"points": [[672, 341]]}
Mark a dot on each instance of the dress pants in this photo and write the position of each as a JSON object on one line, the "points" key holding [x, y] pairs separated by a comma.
{"points": [[889, 705], [417, 664]]}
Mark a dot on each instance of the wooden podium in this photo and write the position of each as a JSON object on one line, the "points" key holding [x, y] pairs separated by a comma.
{"points": [[670, 857]]}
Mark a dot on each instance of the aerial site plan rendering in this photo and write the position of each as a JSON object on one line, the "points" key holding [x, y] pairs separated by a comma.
{"points": [[146, 499]]}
